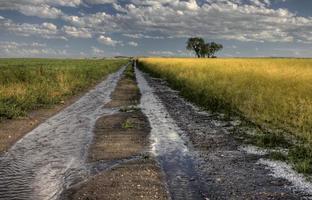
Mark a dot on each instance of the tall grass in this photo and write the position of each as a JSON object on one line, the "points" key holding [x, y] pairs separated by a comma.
{"points": [[28, 84], [272, 92]]}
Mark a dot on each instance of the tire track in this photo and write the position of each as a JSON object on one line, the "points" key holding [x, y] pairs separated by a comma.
{"points": [[169, 148]]}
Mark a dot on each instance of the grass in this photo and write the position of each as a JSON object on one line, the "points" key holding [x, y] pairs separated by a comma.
{"points": [[29, 84], [271, 93], [301, 157], [277, 156], [270, 140], [129, 109], [127, 124]]}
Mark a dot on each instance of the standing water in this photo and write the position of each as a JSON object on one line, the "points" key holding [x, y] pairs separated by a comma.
{"points": [[53, 154], [169, 148]]}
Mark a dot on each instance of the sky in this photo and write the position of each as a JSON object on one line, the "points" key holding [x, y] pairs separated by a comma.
{"points": [[104, 28]]}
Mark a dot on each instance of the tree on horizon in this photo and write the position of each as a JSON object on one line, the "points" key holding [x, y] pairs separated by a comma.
{"points": [[202, 49]]}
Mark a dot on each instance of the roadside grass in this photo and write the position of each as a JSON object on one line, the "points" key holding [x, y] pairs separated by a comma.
{"points": [[29, 84], [269, 140], [301, 157], [273, 94]]}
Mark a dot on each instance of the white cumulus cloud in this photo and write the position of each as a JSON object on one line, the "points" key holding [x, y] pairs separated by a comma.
{"points": [[132, 43], [33, 49], [100, 1], [77, 32], [45, 30], [108, 41]]}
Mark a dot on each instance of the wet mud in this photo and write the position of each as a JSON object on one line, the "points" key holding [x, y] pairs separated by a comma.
{"points": [[126, 93], [131, 180], [119, 136], [222, 170], [119, 160]]}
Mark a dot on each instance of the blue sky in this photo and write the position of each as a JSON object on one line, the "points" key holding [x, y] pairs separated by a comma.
{"points": [[98, 28]]}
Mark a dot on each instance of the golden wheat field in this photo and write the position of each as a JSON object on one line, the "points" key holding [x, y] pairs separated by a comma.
{"points": [[274, 92]]}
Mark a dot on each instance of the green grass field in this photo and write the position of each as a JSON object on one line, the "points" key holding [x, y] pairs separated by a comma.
{"points": [[274, 93], [29, 84]]}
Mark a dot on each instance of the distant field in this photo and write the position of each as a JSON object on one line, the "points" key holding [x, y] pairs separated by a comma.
{"points": [[28, 84], [275, 92]]}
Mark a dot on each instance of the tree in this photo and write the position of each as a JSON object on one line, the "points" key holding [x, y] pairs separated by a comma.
{"points": [[203, 49], [214, 47], [196, 44]]}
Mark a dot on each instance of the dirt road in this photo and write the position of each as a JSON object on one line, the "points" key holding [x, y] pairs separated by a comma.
{"points": [[133, 137]]}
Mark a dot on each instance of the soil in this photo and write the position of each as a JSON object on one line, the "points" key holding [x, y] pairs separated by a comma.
{"points": [[123, 140], [114, 141], [126, 94], [224, 171], [133, 180]]}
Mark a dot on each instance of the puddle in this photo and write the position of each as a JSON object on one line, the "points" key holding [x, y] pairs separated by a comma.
{"points": [[168, 147], [52, 156]]}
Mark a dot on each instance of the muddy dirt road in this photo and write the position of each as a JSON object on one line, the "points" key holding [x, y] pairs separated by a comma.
{"points": [[133, 137], [119, 152]]}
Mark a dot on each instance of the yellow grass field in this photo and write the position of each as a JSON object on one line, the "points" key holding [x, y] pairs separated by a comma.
{"points": [[273, 92]]}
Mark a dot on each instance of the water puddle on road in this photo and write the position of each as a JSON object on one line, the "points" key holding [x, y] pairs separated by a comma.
{"points": [[52, 156], [169, 148]]}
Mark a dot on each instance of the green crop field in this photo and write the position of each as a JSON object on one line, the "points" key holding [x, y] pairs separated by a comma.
{"points": [[275, 93], [28, 84]]}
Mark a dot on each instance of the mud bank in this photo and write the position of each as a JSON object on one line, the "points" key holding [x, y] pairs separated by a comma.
{"points": [[52, 155], [223, 170], [120, 165]]}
